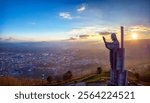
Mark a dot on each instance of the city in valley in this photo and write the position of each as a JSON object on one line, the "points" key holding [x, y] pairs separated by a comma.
{"points": [[39, 60]]}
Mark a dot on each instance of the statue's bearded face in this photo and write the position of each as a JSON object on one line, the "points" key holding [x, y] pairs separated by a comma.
{"points": [[113, 36]]}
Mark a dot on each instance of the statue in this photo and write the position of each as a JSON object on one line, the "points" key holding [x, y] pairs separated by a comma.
{"points": [[113, 47], [118, 76]]}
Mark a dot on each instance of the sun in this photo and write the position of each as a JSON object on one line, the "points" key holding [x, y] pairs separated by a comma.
{"points": [[134, 36]]}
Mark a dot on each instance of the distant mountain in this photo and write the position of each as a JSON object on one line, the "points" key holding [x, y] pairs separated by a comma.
{"points": [[11, 39]]}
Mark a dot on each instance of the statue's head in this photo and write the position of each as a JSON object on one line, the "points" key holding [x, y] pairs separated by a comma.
{"points": [[113, 37]]}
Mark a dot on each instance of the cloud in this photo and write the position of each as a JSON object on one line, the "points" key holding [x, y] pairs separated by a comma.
{"points": [[72, 38], [83, 36], [65, 15], [91, 31], [81, 8], [139, 28], [81, 31], [104, 33], [95, 32], [80, 37]]}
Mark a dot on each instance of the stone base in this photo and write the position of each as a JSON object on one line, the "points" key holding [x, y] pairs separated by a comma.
{"points": [[118, 78], [111, 84]]}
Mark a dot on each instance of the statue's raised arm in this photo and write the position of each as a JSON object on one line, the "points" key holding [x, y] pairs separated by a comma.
{"points": [[112, 45], [104, 39]]}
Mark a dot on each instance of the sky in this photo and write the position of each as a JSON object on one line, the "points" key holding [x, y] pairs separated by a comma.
{"points": [[45, 20]]}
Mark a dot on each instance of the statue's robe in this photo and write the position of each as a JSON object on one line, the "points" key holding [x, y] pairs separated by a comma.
{"points": [[113, 47]]}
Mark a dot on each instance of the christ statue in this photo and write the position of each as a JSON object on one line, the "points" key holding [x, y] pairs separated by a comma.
{"points": [[113, 47]]}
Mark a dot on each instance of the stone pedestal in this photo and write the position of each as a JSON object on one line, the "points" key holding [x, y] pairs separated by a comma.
{"points": [[118, 74]]}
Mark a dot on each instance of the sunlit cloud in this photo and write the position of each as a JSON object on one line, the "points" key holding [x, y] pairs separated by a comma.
{"points": [[139, 28], [65, 15], [81, 8], [96, 32], [141, 31], [90, 33], [91, 30]]}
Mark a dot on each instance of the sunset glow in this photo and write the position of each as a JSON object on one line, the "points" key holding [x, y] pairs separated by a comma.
{"points": [[134, 36], [39, 20]]}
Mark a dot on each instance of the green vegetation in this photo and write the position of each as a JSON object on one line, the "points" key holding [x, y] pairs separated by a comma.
{"points": [[97, 77], [133, 78]]}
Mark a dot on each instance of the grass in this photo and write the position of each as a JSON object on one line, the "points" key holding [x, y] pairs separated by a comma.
{"points": [[97, 77], [104, 76], [90, 78], [12, 81]]}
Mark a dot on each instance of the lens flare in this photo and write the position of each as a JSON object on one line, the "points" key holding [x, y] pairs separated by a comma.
{"points": [[134, 36]]}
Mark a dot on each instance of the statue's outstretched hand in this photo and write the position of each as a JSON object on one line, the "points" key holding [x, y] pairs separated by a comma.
{"points": [[104, 39]]}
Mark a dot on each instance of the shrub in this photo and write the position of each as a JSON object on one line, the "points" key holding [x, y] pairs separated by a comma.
{"points": [[99, 70], [49, 79], [67, 75], [137, 75]]}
